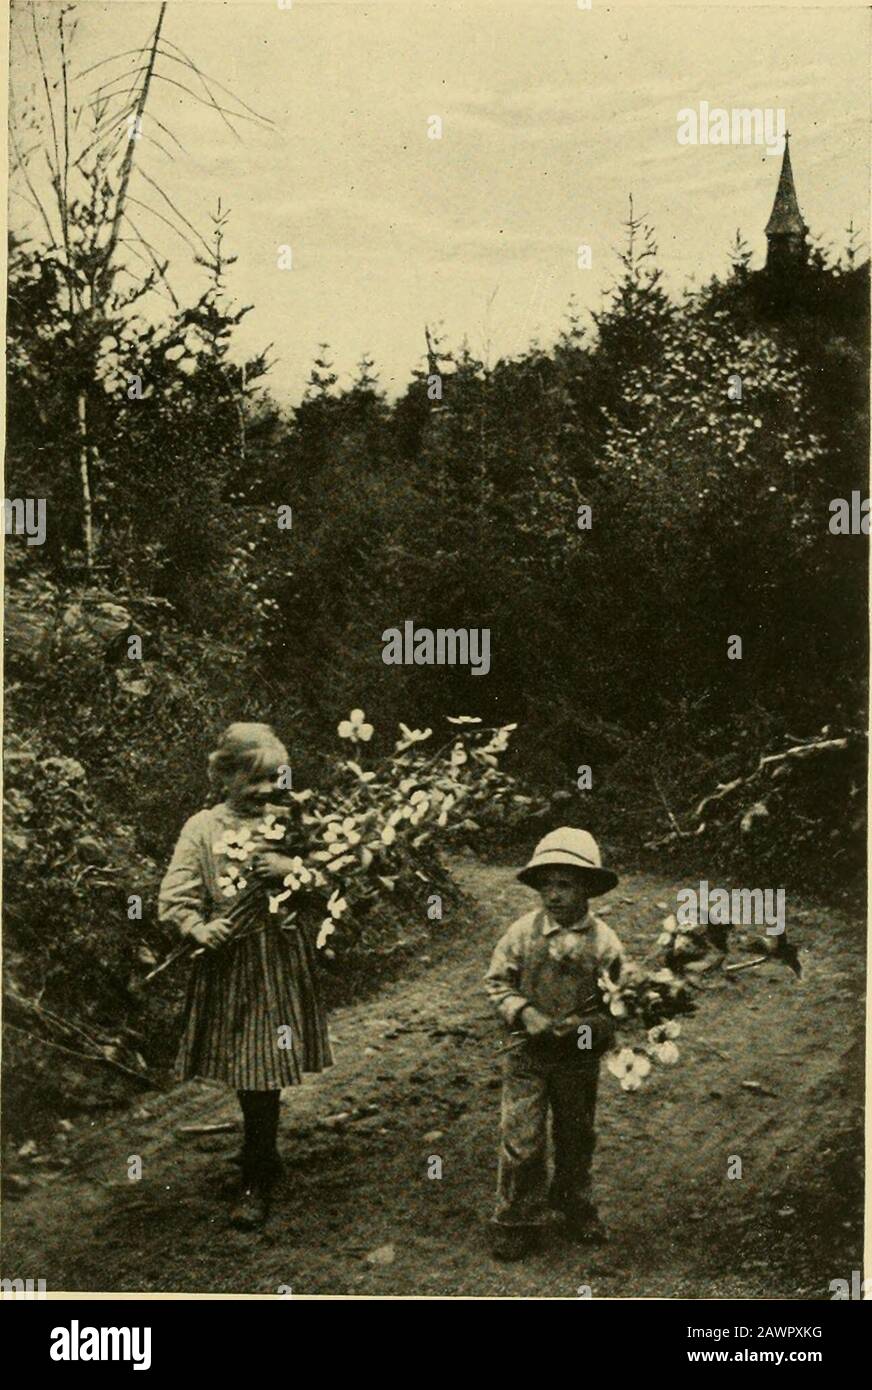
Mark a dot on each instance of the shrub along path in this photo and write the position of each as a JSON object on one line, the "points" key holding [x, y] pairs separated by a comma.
{"points": [[416, 1077]]}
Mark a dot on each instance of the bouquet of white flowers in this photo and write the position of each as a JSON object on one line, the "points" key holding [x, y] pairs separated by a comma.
{"points": [[244, 881], [371, 831], [645, 1003]]}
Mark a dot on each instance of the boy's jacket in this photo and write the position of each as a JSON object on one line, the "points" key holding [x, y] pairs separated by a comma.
{"points": [[555, 968]]}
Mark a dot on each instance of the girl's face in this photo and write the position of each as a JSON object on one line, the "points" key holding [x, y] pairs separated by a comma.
{"points": [[564, 894], [250, 794]]}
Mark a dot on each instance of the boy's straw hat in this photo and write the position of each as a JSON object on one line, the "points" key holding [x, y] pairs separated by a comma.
{"points": [[575, 848]]}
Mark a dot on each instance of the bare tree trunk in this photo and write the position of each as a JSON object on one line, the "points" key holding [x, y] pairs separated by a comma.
{"points": [[85, 473], [101, 283], [127, 163], [241, 408]]}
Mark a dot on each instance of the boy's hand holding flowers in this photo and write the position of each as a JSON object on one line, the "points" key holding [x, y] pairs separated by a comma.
{"points": [[536, 1024], [602, 1029]]}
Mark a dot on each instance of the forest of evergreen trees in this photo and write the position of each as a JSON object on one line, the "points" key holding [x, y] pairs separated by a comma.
{"points": [[458, 505], [615, 507]]}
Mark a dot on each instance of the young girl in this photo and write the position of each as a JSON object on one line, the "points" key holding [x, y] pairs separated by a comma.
{"points": [[253, 1016]]}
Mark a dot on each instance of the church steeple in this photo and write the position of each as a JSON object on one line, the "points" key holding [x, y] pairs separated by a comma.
{"points": [[785, 230]]}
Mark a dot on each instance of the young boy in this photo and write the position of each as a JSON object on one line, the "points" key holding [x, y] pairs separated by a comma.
{"points": [[543, 982]]}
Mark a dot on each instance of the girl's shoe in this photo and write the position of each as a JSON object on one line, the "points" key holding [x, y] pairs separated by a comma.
{"points": [[259, 1176], [251, 1208]]}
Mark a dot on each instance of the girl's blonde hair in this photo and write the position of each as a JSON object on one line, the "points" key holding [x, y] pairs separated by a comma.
{"points": [[245, 753]]}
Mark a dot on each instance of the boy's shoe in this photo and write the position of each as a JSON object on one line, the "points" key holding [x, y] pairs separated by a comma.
{"points": [[584, 1225], [510, 1243]]}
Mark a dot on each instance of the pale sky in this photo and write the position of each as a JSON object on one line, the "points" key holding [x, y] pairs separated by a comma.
{"points": [[551, 115]]}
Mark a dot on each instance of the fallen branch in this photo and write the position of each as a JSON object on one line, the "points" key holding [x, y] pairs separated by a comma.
{"points": [[724, 789], [682, 834], [98, 1048], [803, 750], [140, 1076], [758, 794], [221, 1127], [747, 964]]}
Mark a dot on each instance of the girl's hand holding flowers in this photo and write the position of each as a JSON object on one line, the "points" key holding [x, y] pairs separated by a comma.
{"points": [[268, 864], [212, 934]]}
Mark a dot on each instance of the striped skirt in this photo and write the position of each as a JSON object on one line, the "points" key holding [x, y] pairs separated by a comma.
{"points": [[253, 1015]]}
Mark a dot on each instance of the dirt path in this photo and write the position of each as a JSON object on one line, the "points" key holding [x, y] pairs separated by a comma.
{"points": [[416, 1068]]}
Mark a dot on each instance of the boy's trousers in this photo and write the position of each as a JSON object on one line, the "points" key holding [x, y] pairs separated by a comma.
{"points": [[535, 1081]]}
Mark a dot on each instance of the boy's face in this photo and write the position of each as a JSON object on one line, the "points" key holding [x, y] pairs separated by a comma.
{"points": [[563, 892]]}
